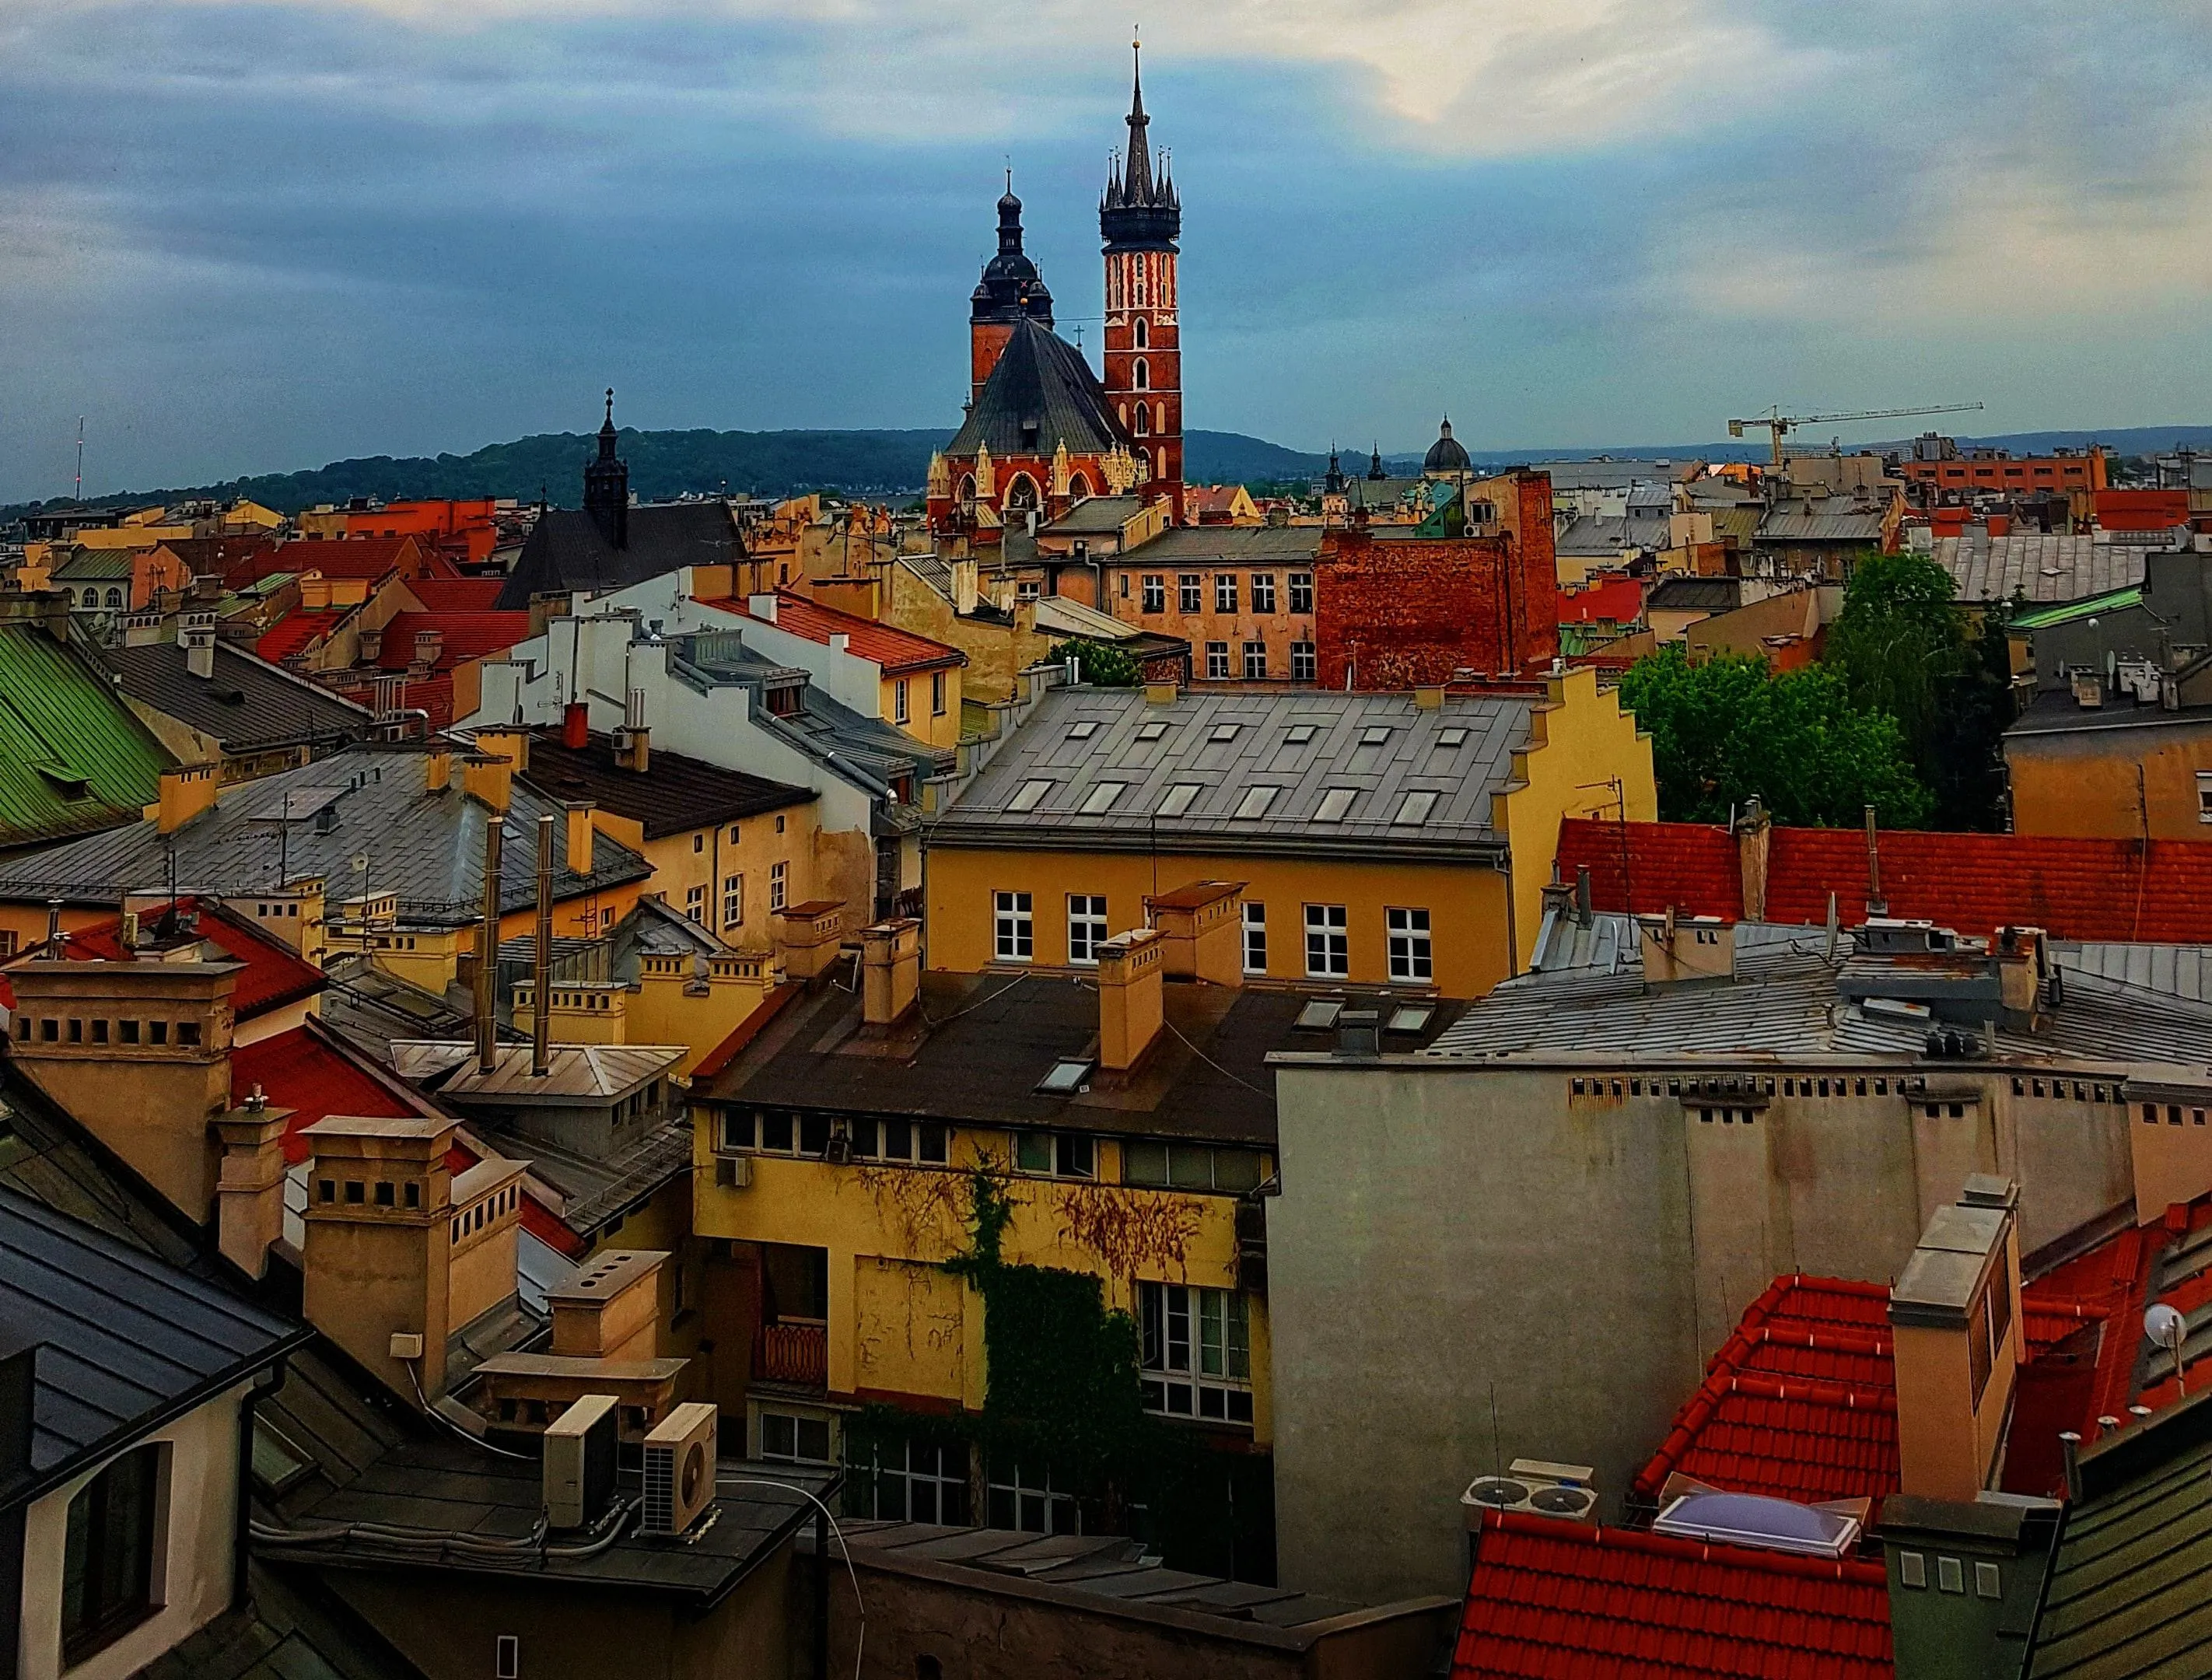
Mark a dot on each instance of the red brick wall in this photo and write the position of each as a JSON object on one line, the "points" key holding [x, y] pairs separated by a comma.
{"points": [[1411, 610]]}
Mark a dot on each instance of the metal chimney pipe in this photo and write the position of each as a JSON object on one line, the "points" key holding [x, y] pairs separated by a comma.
{"points": [[1876, 904], [541, 967], [488, 945]]}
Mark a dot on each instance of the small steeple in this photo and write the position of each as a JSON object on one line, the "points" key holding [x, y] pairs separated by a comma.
{"points": [[606, 484], [607, 433], [1137, 184], [1374, 463]]}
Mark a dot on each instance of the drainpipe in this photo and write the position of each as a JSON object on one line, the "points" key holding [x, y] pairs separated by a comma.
{"points": [[488, 945], [821, 1593], [263, 1385], [1876, 904], [540, 1029]]}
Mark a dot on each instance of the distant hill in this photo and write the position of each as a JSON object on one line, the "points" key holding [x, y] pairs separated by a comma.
{"points": [[663, 464]]}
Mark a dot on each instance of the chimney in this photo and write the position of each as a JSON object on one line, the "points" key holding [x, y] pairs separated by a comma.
{"points": [[2171, 1154], [199, 653], [1955, 1317], [1585, 905], [633, 740], [611, 1308], [1430, 697], [1201, 928], [890, 971], [378, 1257], [139, 1052], [249, 1192], [577, 849], [541, 1015], [1754, 832], [806, 937], [372, 640], [1359, 1032], [1876, 904], [575, 725], [487, 970], [2022, 956], [315, 594], [1159, 694], [762, 606], [1132, 1005], [488, 773], [963, 586], [185, 792], [2088, 689], [1678, 948], [429, 645]]}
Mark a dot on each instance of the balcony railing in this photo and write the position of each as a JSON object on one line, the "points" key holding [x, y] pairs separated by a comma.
{"points": [[794, 1351]]}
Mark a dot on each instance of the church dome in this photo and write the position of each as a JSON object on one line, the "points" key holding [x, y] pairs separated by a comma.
{"points": [[1446, 454]]}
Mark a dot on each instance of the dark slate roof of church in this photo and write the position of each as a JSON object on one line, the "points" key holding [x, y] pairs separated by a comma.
{"points": [[1041, 394], [566, 550]]}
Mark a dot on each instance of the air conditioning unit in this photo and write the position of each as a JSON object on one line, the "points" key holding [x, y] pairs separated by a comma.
{"points": [[1540, 1488], [679, 1470], [733, 1172], [580, 1462]]}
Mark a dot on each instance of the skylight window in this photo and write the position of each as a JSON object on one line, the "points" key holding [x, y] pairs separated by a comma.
{"points": [[1320, 1015], [1067, 1078], [1414, 808], [1178, 799], [1408, 1018], [1377, 734], [1256, 801], [1151, 731], [1300, 735], [1100, 799], [1334, 804], [1224, 732], [1028, 796], [1083, 731], [1451, 738]]}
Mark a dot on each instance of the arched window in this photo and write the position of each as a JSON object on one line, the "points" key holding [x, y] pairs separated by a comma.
{"points": [[1140, 340], [1141, 376], [1078, 487], [968, 490], [1022, 493], [1144, 466], [1144, 421], [115, 597]]}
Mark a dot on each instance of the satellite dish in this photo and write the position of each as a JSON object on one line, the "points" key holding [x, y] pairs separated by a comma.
{"points": [[2165, 1326]]}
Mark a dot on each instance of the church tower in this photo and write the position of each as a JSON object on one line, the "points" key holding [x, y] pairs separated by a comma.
{"points": [[1140, 218], [1009, 289], [607, 485]]}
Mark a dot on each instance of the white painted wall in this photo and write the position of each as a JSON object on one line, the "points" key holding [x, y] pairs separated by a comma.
{"points": [[193, 1561]]}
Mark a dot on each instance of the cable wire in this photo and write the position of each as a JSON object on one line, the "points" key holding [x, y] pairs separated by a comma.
{"points": [[860, 1641]]}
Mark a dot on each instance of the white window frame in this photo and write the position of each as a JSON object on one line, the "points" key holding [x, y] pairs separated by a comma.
{"points": [[1182, 1329], [1263, 592], [1216, 661], [1411, 946], [695, 903], [1255, 938], [2205, 797], [1086, 927], [1328, 942], [733, 900], [779, 884], [1255, 661], [1153, 593], [899, 712], [1304, 663], [1190, 592], [1225, 592], [1301, 591], [1014, 927]]}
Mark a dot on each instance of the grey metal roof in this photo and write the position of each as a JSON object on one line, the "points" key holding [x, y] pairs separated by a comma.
{"points": [[1612, 474], [426, 847], [1228, 744], [125, 1342], [1784, 1000], [1821, 522], [567, 552], [248, 704], [577, 1073], [1094, 516], [2042, 566], [1694, 594], [1609, 533], [2178, 970], [1196, 544]]}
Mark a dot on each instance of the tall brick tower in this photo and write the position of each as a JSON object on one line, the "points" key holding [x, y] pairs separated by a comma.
{"points": [[1140, 218]]}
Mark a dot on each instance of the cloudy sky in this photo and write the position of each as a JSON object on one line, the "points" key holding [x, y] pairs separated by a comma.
{"points": [[262, 234]]}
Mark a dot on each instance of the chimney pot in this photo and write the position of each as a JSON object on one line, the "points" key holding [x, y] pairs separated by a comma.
{"points": [[1131, 1003], [890, 972]]}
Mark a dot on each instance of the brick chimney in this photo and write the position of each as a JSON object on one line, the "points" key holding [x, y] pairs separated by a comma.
{"points": [[185, 792], [1131, 1007], [430, 647], [1676, 948], [578, 839], [1200, 927], [1955, 1316], [2022, 956], [378, 1257], [488, 773], [890, 971], [250, 1192], [139, 1053], [1754, 831], [611, 1308], [437, 769]]}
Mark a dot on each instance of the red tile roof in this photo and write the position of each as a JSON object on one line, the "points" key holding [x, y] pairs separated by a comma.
{"points": [[894, 649], [466, 635], [273, 975], [295, 631], [303, 1071], [365, 557], [2076, 888], [1559, 1600], [457, 595], [1617, 600]]}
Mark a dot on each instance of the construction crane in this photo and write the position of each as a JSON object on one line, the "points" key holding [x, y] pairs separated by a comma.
{"points": [[1779, 425]]}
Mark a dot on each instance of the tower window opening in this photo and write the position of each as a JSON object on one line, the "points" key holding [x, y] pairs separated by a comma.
{"points": [[1140, 338], [1141, 376]]}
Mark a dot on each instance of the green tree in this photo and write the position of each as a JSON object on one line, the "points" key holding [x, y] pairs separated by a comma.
{"points": [[1101, 663], [1905, 646], [1726, 729]]}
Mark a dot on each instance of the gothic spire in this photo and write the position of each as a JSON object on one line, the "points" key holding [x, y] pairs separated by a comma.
{"points": [[1137, 179], [607, 433]]}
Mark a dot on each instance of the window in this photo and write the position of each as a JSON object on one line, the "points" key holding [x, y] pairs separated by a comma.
{"points": [[1302, 664], [1255, 661], [694, 904], [733, 899], [108, 1555], [1178, 799], [1141, 376], [1010, 928], [1028, 1501], [1255, 801], [1152, 731], [507, 1657], [1408, 931], [1335, 805], [1083, 730], [1188, 588], [779, 884], [1301, 591], [1121, 584], [1414, 808], [734, 831], [937, 694], [911, 1481], [1217, 660], [790, 1438], [1101, 797], [1194, 1351], [1255, 938], [1086, 926], [1144, 420], [898, 701], [2205, 797], [1377, 734], [1190, 1166], [1328, 948], [1028, 795], [1056, 1154], [1154, 596], [1225, 592], [1263, 592], [1298, 735], [1139, 337]]}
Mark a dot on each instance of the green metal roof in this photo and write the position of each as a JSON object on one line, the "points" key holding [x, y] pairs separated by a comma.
{"points": [[73, 758], [95, 564], [2067, 612]]}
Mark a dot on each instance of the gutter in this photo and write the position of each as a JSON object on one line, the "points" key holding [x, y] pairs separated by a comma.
{"points": [[1493, 850]]}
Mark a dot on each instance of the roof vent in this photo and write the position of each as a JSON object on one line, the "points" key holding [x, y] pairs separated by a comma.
{"points": [[1359, 1032]]}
